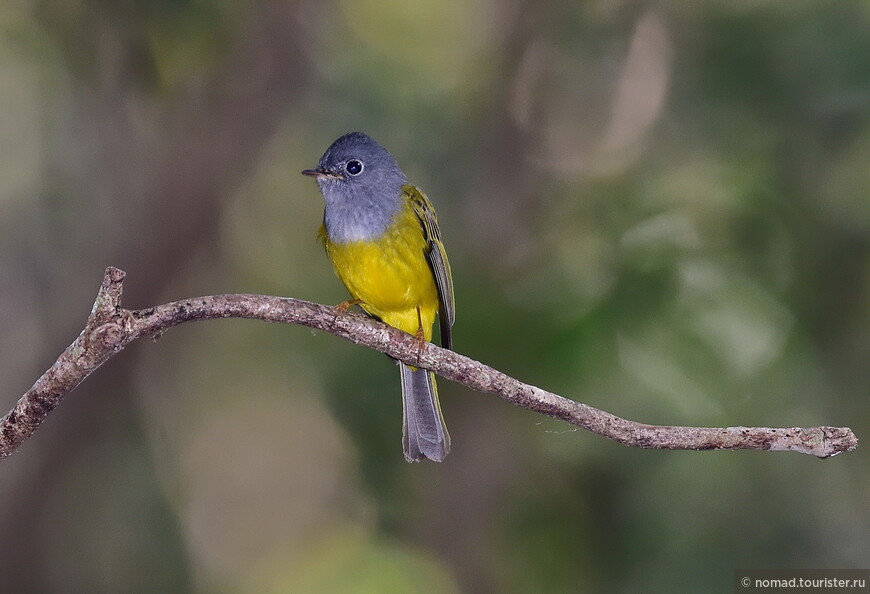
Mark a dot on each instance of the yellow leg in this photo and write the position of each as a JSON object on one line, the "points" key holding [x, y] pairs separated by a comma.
{"points": [[343, 307], [420, 335], [346, 305]]}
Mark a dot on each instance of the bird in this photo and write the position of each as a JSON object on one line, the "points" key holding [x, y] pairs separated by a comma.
{"points": [[381, 234]]}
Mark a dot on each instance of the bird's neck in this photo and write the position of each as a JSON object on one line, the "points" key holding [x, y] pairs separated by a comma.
{"points": [[358, 217]]}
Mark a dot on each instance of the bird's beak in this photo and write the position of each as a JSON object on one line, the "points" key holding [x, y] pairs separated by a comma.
{"points": [[322, 173]]}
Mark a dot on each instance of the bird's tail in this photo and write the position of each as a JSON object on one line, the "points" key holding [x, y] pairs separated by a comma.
{"points": [[424, 434]]}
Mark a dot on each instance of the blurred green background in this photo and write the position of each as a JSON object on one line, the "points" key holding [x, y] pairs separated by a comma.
{"points": [[657, 208]]}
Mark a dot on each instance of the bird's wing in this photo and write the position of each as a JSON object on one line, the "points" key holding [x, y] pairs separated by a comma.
{"points": [[436, 256]]}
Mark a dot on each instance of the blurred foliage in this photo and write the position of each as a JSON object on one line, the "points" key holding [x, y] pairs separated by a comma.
{"points": [[657, 208]]}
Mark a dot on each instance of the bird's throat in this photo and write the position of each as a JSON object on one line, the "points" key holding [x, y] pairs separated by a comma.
{"points": [[362, 220]]}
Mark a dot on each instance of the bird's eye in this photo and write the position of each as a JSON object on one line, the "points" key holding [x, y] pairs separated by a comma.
{"points": [[354, 167]]}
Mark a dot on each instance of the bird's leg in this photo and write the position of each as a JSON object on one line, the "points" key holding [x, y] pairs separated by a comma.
{"points": [[343, 307], [346, 305], [419, 335]]}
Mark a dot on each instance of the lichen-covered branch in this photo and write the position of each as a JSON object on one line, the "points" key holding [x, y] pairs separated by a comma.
{"points": [[110, 328]]}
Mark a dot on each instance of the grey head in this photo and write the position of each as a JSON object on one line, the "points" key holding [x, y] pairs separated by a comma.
{"points": [[361, 184]]}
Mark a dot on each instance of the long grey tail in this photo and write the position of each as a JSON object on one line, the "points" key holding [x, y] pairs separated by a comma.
{"points": [[424, 434]]}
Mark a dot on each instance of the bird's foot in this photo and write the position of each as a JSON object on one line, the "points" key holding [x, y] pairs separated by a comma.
{"points": [[343, 307], [421, 342], [346, 305]]}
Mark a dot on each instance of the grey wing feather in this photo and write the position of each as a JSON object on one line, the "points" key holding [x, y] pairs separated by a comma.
{"points": [[436, 256]]}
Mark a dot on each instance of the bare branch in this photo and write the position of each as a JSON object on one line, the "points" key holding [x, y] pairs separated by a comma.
{"points": [[110, 328]]}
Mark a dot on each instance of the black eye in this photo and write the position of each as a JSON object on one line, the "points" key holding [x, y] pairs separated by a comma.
{"points": [[354, 167]]}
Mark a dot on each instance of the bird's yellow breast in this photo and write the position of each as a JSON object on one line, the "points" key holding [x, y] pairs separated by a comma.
{"points": [[390, 275]]}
